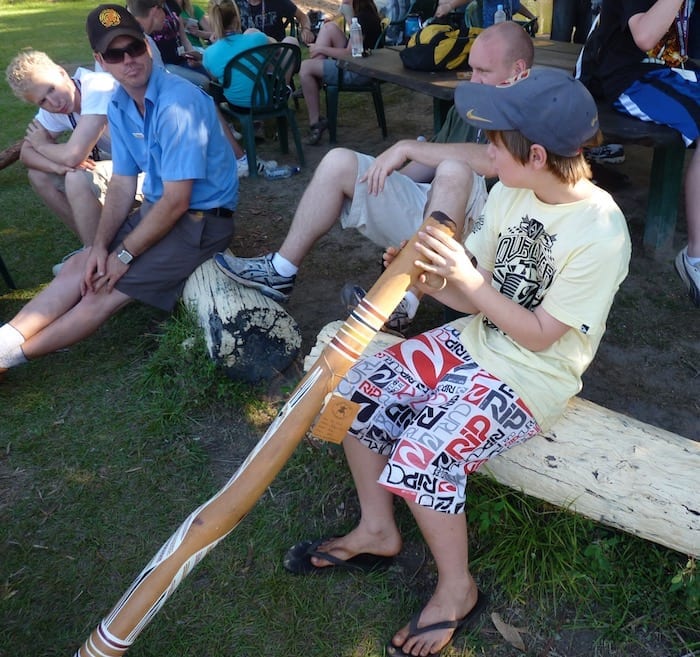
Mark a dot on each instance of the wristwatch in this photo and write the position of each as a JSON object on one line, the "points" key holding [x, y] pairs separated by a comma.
{"points": [[124, 256]]}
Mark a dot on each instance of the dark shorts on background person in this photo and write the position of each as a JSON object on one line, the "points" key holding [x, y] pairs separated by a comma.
{"points": [[158, 275], [330, 75], [436, 414]]}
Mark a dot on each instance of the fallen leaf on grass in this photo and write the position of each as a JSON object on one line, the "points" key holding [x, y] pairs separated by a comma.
{"points": [[508, 632]]}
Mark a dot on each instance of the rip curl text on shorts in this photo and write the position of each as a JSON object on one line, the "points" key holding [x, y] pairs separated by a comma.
{"points": [[436, 414]]}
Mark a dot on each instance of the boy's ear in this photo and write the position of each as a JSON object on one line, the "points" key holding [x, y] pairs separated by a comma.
{"points": [[538, 156]]}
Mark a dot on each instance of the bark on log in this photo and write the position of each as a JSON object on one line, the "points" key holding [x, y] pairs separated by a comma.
{"points": [[250, 336], [602, 464], [10, 155]]}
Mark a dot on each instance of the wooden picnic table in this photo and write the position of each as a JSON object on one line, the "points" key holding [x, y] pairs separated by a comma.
{"points": [[666, 174]]}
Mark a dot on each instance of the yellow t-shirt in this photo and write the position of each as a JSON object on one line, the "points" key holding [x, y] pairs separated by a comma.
{"points": [[571, 258]]}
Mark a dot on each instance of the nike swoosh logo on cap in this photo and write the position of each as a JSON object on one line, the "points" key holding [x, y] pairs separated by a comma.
{"points": [[475, 117]]}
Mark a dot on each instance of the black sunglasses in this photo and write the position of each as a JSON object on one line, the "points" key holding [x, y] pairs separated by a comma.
{"points": [[116, 55]]}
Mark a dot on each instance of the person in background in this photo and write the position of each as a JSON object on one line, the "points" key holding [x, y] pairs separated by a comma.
{"points": [[645, 72], [537, 277], [225, 20], [70, 176], [511, 7], [168, 128], [321, 66], [387, 198], [196, 24], [269, 16], [178, 54], [571, 20]]}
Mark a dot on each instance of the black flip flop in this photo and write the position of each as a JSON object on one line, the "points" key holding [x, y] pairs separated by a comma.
{"points": [[457, 625], [298, 560]]}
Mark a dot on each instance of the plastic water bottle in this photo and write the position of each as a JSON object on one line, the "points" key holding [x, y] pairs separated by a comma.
{"points": [[500, 15], [281, 171], [356, 38]]}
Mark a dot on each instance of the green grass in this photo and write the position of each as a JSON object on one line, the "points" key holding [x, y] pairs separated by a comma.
{"points": [[106, 447]]}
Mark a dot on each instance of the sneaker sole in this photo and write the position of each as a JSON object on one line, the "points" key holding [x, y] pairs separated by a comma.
{"points": [[693, 291], [266, 290]]}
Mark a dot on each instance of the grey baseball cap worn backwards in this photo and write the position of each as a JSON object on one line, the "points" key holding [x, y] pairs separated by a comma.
{"points": [[546, 105], [107, 22]]}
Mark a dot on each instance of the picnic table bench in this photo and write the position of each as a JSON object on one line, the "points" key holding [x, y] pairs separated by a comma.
{"points": [[665, 177]]}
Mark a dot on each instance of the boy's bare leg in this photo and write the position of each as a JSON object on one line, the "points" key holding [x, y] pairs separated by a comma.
{"points": [[692, 203], [55, 200], [456, 591], [85, 206], [376, 533], [321, 203]]}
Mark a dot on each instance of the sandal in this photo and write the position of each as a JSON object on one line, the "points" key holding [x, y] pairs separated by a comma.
{"points": [[316, 131]]}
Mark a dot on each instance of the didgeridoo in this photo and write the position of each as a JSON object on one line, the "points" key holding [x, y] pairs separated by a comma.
{"points": [[212, 521]]}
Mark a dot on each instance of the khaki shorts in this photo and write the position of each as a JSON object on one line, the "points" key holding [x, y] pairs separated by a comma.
{"points": [[98, 178], [398, 212]]}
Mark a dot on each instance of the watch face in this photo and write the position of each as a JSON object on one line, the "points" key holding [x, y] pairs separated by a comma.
{"points": [[125, 256]]}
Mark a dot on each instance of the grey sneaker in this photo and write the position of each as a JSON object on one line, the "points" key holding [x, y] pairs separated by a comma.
{"points": [[258, 273], [57, 267], [606, 154], [690, 275], [398, 321]]}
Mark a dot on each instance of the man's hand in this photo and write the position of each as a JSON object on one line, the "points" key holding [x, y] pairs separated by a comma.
{"points": [[384, 165], [193, 57], [391, 252], [102, 271], [307, 35], [317, 51], [37, 134]]}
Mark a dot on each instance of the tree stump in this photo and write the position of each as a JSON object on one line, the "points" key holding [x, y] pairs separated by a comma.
{"points": [[604, 465], [248, 335]]}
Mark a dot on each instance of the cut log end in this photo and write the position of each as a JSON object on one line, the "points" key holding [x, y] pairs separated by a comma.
{"points": [[252, 338]]}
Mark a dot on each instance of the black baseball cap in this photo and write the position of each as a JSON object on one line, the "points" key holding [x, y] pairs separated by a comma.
{"points": [[546, 105], [107, 22]]}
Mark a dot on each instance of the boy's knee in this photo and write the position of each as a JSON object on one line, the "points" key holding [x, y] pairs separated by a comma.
{"points": [[453, 169]]}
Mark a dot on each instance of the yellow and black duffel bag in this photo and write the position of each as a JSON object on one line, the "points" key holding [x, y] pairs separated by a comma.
{"points": [[439, 47]]}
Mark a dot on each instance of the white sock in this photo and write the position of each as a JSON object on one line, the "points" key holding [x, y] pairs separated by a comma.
{"points": [[12, 357], [283, 267], [243, 159], [412, 303], [10, 337]]}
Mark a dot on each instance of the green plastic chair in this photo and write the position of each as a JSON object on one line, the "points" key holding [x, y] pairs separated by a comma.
{"points": [[372, 86], [269, 67]]}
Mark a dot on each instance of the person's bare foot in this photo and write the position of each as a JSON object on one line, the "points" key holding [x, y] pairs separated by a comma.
{"points": [[386, 543], [409, 640]]}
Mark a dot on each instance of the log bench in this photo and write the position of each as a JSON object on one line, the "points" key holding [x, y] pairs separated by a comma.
{"points": [[604, 465], [248, 335]]}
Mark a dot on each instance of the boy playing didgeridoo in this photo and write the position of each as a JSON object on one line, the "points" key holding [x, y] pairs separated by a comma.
{"points": [[544, 261]]}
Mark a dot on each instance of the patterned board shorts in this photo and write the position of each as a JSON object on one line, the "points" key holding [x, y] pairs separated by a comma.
{"points": [[436, 414]]}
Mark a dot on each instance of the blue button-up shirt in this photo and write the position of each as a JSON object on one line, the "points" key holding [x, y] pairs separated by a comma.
{"points": [[179, 137]]}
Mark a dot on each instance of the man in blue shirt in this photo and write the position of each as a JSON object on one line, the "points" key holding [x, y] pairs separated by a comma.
{"points": [[168, 128]]}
